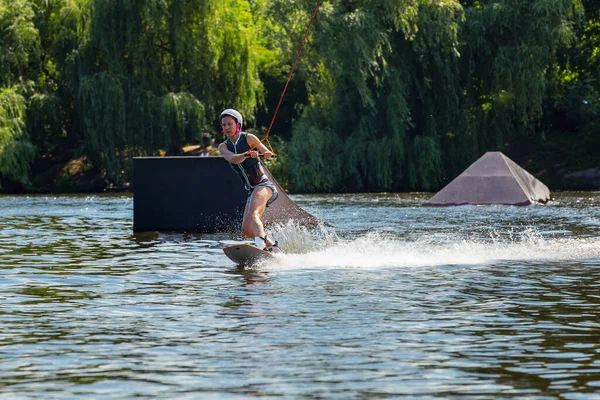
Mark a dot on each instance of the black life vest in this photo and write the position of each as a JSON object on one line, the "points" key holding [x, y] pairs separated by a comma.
{"points": [[250, 170]]}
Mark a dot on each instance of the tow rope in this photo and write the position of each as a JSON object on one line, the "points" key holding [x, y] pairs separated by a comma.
{"points": [[312, 18]]}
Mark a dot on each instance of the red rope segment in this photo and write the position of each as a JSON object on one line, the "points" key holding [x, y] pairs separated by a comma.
{"points": [[314, 13]]}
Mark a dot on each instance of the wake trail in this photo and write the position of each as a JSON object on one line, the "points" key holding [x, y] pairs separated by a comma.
{"points": [[380, 250]]}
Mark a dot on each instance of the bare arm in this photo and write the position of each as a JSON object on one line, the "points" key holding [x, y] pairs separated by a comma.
{"points": [[260, 148], [255, 144], [230, 155]]}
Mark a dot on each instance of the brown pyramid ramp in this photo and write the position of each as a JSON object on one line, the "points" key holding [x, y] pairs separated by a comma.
{"points": [[492, 179]]}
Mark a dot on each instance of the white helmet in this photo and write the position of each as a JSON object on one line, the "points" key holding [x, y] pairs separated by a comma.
{"points": [[233, 113]]}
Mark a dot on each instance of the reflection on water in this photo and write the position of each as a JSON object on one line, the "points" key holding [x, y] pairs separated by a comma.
{"points": [[394, 300]]}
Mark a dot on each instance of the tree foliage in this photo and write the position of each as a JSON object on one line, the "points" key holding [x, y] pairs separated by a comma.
{"points": [[19, 61], [19, 42], [388, 94], [388, 89], [16, 152], [420, 88], [154, 71], [571, 113]]}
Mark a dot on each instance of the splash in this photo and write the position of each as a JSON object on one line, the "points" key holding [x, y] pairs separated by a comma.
{"points": [[298, 239], [375, 250]]}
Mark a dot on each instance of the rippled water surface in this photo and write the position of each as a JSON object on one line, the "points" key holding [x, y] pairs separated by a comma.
{"points": [[391, 300]]}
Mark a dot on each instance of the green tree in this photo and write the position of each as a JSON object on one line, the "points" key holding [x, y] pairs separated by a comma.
{"points": [[510, 46], [572, 107], [19, 61], [16, 151], [155, 72], [407, 93], [388, 94], [281, 25], [52, 118], [384, 88]]}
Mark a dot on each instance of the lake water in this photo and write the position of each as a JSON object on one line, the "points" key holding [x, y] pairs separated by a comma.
{"points": [[392, 300]]}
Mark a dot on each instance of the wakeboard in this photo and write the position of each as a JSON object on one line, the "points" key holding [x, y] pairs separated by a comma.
{"points": [[246, 254]]}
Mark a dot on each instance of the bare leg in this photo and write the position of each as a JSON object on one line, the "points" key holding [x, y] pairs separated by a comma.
{"points": [[246, 224], [252, 225]]}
